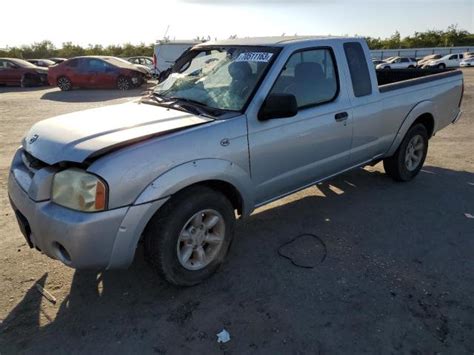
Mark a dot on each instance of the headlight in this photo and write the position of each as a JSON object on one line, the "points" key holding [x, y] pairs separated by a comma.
{"points": [[76, 189]]}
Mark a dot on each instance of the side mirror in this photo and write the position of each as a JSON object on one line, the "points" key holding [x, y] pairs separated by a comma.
{"points": [[278, 106]]}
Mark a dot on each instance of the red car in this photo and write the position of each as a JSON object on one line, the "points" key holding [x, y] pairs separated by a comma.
{"points": [[96, 72], [15, 71]]}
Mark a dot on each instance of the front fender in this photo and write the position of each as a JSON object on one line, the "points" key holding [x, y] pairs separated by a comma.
{"points": [[419, 109], [197, 171]]}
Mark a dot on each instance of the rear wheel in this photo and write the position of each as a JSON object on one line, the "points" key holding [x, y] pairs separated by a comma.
{"points": [[387, 68], [188, 239], [408, 160], [124, 83], [441, 66], [64, 83]]}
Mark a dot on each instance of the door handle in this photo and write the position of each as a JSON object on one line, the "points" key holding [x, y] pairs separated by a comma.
{"points": [[341, 116]]}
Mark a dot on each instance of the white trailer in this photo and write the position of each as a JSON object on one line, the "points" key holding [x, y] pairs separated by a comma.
{"points": [[166, 52]]}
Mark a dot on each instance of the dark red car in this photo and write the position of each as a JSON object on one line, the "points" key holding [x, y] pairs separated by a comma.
{"points": [[15, 71], [96, 72]]}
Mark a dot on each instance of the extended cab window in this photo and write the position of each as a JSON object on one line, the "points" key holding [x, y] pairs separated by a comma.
{"points": [[358, 68], [311, 76]]}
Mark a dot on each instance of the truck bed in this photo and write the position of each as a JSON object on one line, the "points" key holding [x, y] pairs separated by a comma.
{"points": [[398, 78]]}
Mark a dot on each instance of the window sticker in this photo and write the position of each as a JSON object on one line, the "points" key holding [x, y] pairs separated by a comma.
{"points": [[263, 57]]}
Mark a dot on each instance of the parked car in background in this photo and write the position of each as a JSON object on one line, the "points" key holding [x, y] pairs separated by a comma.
{"points": [[15, 71], [58, 60], [398, 63], [96, 72], [45, 63], [148, 70], [238, 124], [142, 60], [377, 61], [467, 62], [166, 53], [448, 61], [427, 59]]}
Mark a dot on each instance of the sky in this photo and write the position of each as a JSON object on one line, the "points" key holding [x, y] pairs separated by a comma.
{"points": [[116, 22]]}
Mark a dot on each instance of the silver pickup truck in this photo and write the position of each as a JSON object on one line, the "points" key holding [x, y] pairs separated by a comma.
{"points": [[236, 125]]}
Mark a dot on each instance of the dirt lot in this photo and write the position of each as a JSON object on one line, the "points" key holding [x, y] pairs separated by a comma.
{"points": [[398, 276]]}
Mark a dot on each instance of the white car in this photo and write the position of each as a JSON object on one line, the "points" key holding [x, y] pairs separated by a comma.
{"points": [[398, 63], [468, 62], [143, 67], [448, 61]]}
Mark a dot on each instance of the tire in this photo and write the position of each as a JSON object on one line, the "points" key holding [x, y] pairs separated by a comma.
{"points": [[441, 66], [64, 83], [124, 83], [23, 83], [387, 68], [175, 239], [408, 160], [411, 67]]}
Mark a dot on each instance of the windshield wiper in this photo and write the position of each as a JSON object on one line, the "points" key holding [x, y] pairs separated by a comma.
{"points": [[214, 111], [183, 104], [189, 105]]}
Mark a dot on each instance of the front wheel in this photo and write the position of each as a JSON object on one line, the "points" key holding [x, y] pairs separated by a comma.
{"points": [[188, 239], [408, 160], [64, 83]]}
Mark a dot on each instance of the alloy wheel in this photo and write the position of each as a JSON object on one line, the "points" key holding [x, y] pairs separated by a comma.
{"points": [[200, 239], [414, 152]]}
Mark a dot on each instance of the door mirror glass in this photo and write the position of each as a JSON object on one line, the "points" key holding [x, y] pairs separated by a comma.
{"points": [[278, 106]]}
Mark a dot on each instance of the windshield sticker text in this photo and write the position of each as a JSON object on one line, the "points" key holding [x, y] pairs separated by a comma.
{"points": [[254, 57]]}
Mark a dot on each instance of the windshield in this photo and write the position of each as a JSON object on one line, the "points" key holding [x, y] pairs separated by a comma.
{"points": [[22, 63], [222, 78], [119, 62]]}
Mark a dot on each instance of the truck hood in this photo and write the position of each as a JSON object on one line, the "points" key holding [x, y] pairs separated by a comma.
{"points": [[76, 136]]}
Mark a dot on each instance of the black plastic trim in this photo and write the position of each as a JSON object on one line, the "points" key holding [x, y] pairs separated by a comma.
{"points": [[417, 81]]}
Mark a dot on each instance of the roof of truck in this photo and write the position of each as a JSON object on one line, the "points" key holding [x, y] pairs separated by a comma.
{"points": [[273, 41]]}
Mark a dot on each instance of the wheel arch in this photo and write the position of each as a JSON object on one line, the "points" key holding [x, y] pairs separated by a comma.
{"points": [[422, 113], [220, 175]]}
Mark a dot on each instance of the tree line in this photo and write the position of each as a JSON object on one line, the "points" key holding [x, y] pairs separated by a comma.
{"points": [[450, 37]]}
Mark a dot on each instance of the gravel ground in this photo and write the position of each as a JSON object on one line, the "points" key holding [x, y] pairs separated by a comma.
{"points": [[396, 274]]}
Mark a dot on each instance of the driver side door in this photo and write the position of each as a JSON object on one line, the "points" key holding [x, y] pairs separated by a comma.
{"points": [[287, 154]]}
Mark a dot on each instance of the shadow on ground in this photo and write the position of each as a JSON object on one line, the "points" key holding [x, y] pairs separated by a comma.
{"points": [[5, 89], [398, 278]]}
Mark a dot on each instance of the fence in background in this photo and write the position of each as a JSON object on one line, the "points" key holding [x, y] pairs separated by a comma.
{"points": [[418, 52]]}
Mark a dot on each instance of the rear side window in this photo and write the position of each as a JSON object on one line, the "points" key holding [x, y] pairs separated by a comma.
{"points": [[358, 68], [72, 63]]}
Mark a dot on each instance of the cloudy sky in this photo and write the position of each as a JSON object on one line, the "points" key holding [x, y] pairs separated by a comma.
{"points": [[116, 22]]}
